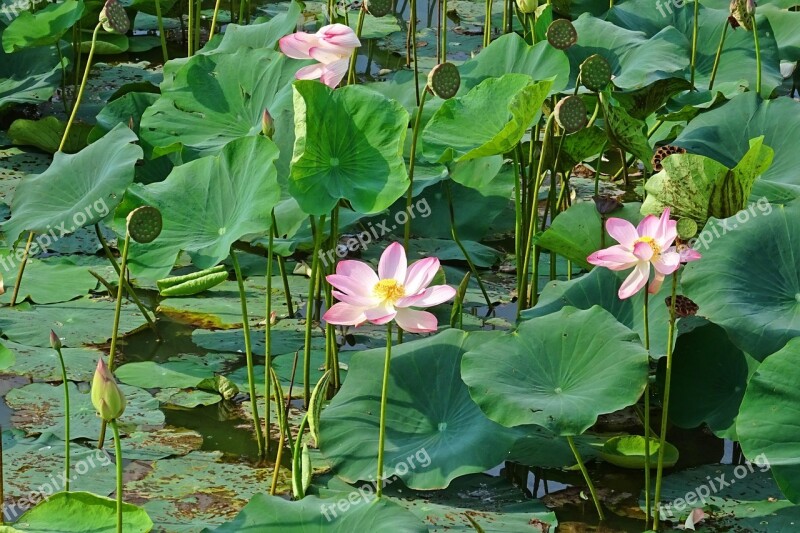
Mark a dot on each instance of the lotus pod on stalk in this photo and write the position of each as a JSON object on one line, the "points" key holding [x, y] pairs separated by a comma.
{"points": [[595, 72], [444, 80], [114, 18], [144, 224], [561, 34], [379, 8], [570, 113]]}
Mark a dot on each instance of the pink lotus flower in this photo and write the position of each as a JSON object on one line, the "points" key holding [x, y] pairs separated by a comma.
{"points": [[364, 296], [332, 46], [650, 243]]}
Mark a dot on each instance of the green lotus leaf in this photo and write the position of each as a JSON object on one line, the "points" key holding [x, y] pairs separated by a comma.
{"points": [[767, 425], [576, 232], [489, 120], [560, 371], [43, 28], [709, 377], [265, 512], [47, 281], [429, 413], [348, 144], [83, 512], [738, 59], [41, 363], [46, 134], [625, 131], [182, 372], [39, 409], [698, 187], [235, 191], [29, 76], [536, 446], [748, 281], [7, 357], [724, 134], [76, 321], [628, 451], [76, 190], [735, 497]]}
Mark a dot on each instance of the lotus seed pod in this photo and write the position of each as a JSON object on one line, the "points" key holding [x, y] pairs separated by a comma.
{"points": [[683, 306], [379, 8], [662, 152], [687, 228], [114, 18], [144, 224], [570, 114], [561, 34], [606, 204], [595, 73], [742, 13], [527, 6], [107, 397], [55, 342], [444, 80]]}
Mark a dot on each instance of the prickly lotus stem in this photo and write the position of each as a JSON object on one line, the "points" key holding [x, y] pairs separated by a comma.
{"points": [[107, 397], [144, 224], [444, 80], [561, 34], [114, 18]]}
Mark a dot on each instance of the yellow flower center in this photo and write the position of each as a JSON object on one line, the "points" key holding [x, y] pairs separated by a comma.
{"points": [[652, 243], [389, 289]]}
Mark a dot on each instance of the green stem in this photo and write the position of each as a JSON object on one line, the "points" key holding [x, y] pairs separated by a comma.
{"points": [[331, 349], [161, 30], [118, 306], [248, 352], [190, 26], [351, 74], [695, 29], [268, 341], [518, 236], [665, 404], [758, 56], [725, 25], [2, 483], [21, 270], [282, 269], [586, 477], [81, 88], [118, 460], [316, 232], [66, 422], [412, 165], [198, 16], [443, 31], [647, 488], [454, 234], [487, 26], [214, 20], [412, 30], [382, 423]]}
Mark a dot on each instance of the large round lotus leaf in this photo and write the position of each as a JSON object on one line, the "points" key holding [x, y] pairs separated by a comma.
{"points": [[212, 100], [267, 513], [348, 144], [489, 120], [628, 451], [29, 76], [39, 408], [77, 189], [36, 464], [768, 423], [709, 376], [510, 53], [624, 130], [182, 372], [207, 205], [724, 134], [740, 498], [636, 59], [429, 414], [41, 363], [199, 490], [494, 503], [158, 444], [748, 281], [47, 281], [83, 512], [45, 27], [738, 59], [77, 322], [560, 371], [600, 287]]}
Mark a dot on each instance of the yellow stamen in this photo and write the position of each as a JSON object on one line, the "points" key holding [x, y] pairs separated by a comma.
{"points": [[389, 289], [652, 243]]}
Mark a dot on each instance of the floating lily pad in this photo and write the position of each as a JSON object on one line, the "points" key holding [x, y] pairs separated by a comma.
{"points": [[628, 451], [46, 134], [29, 76], [181, 372], [77, 322], [560, 371], [46, 281], [287, 337], [171, 397], [196, 491], [160, 443], [41, 363], [39, 409], [429, 409], [42, 28]]}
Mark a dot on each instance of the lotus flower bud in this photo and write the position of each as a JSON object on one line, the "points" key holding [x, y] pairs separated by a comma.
{"points": [[527, 6], [107, 397], [55, 342], [267, 124]]}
